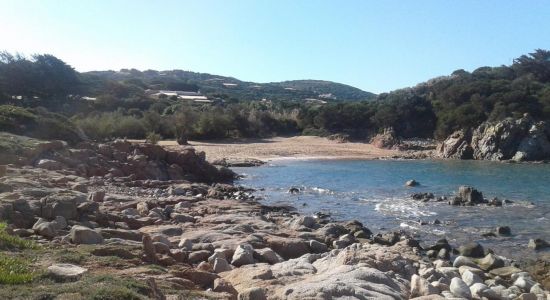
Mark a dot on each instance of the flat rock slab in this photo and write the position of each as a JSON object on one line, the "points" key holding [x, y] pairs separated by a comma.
{"points": [[66, 272], [505, 271]]}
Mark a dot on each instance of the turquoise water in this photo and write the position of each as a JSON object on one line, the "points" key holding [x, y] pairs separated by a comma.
{"points": [[373, 192]]}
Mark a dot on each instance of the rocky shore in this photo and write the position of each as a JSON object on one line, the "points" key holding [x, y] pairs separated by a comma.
{"points": [[138, 221]]}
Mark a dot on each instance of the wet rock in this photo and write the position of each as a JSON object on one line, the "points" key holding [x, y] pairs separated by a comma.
{"points": [[65, 272], [460, 289], [469, 195], [84, 235], [538, 244], [388, 239], [412, 183], [472, 249], [244, 255], [503, 230], [423, 196]]}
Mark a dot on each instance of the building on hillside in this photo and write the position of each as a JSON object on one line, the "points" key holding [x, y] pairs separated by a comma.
{"points": [[182, 95]]}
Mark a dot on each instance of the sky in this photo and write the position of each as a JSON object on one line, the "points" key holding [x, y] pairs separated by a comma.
{"points": [[377, 46]]}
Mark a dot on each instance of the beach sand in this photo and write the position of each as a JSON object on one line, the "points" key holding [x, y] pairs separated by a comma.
{"points": [[301, 147]]}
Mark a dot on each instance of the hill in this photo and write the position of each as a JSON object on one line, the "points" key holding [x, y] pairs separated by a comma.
{"points": [[229, 87]]}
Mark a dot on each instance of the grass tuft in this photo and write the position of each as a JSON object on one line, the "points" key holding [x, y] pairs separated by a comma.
{"points": [[11, 242]]}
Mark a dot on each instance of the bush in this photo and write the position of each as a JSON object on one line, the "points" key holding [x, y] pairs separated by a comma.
{"points": [[153, 138]]}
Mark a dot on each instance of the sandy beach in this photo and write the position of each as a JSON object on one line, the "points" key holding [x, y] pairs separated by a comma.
{"points": [[303, 147]]}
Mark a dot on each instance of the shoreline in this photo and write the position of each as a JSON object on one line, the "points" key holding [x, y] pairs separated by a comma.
{"points": [[116, 214]]}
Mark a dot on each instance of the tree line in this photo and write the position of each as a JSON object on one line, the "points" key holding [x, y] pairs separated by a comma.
{"points": [[47, 88]]}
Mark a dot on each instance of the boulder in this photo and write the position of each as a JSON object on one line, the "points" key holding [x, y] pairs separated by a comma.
{"points": [[222, 286], [198, 256], [478, 290], [182, 218], [490, 261], [252, 294], [84, 235], [470, 278], [186, 244], [65, 272], [244, 255], [421, 287], [45, 228], [221, 265], [460, 289], [412, 183], [288, 247], [317, 247], [464, 261], [267, 255], [472, 249], [97, 196], [538, 244], [385, 140], [61, 204]]}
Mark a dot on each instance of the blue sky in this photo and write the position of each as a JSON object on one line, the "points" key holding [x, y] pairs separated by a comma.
{"points": [[377, 46]]}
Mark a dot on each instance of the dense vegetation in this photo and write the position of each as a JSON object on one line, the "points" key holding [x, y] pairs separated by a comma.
{"points": [[43, 97]]}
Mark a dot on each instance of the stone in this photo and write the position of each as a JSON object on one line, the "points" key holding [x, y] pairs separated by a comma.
{"points": [[449, 272], [504, 230], [97, 196], [476, 271], [198, 256], [460, 289], [464, 261], [45, 228], [537, 289], [143, 208], [470, 278], [84, 235], [477, 290], [222, 286], [527, 296], [538, 244], [182, 218], [3, 170], [161, 248], [60, 223], [252, 294], [469, 195], [505, 272], [524, 283], [317, 247], [287, 247], [221, 265], [490, 261], [149, 249], [472, 249], [65, 272], [421, 287], [49, 164], [244, 255], [267, 255], [161, 238], [412, 183], [60, 204], [186, 244]]}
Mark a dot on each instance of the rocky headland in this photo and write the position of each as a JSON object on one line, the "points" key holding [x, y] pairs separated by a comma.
{"points": [[121, 220], [522, 139]]}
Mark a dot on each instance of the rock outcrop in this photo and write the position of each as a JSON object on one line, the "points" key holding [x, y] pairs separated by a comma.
{"points": [[523, 139], [385, 140]]}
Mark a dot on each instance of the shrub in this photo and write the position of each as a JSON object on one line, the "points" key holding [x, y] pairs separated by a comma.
{"points": [[153, 138]]}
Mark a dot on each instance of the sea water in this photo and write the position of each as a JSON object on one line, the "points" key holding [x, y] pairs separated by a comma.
{"points": [[374, 192]]}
